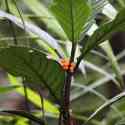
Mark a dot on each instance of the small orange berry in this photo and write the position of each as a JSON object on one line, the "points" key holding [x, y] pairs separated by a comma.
{"points": [[66, 65]]}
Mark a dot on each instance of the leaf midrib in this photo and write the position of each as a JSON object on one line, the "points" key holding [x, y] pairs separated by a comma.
{"points": [[40, 77], [72, 19]]}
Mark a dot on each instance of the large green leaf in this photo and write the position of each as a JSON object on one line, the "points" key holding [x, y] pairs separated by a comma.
{"points": [[105, 32], [72, 16], [34, 67]]}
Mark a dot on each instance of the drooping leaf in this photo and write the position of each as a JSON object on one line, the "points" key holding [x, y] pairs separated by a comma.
{"points": [[25, 115], [34, 67], [8, 88], [50, 22], [105, 32], [72, 16], [33, 30]]}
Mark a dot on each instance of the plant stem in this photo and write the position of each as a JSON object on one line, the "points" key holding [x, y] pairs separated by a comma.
{"points": [[60, 118], [78, 62], [67, 86], [42, 106], [68, 78], [26, 100], [26, 97], [66, 96]]}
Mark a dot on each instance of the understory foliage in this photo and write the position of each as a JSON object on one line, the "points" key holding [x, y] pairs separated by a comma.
{"points": [[57, 54]]}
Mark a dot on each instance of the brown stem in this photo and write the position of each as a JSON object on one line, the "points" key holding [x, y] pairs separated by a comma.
{"points": [[66, 90], [66, 105], [60, 118]]}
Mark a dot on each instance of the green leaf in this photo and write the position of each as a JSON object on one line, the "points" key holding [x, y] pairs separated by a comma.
{"points": [[25, 115], [34, 67], [114, 63], [105, 32], [8, 88], [106, 104], [33, 96], [46, 17], [72, 16], [121, 3], [34, 31]]}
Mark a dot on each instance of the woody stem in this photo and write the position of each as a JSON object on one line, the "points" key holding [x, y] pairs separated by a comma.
{"points": [[67, 86]]}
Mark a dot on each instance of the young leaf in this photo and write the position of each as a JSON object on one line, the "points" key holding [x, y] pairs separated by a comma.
{"points": [[34, 67], [105, 32], [72, 16]]}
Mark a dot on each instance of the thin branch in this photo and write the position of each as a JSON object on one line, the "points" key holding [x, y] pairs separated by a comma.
{"points": [[42, 106], [26, 100], [79, 61]]}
